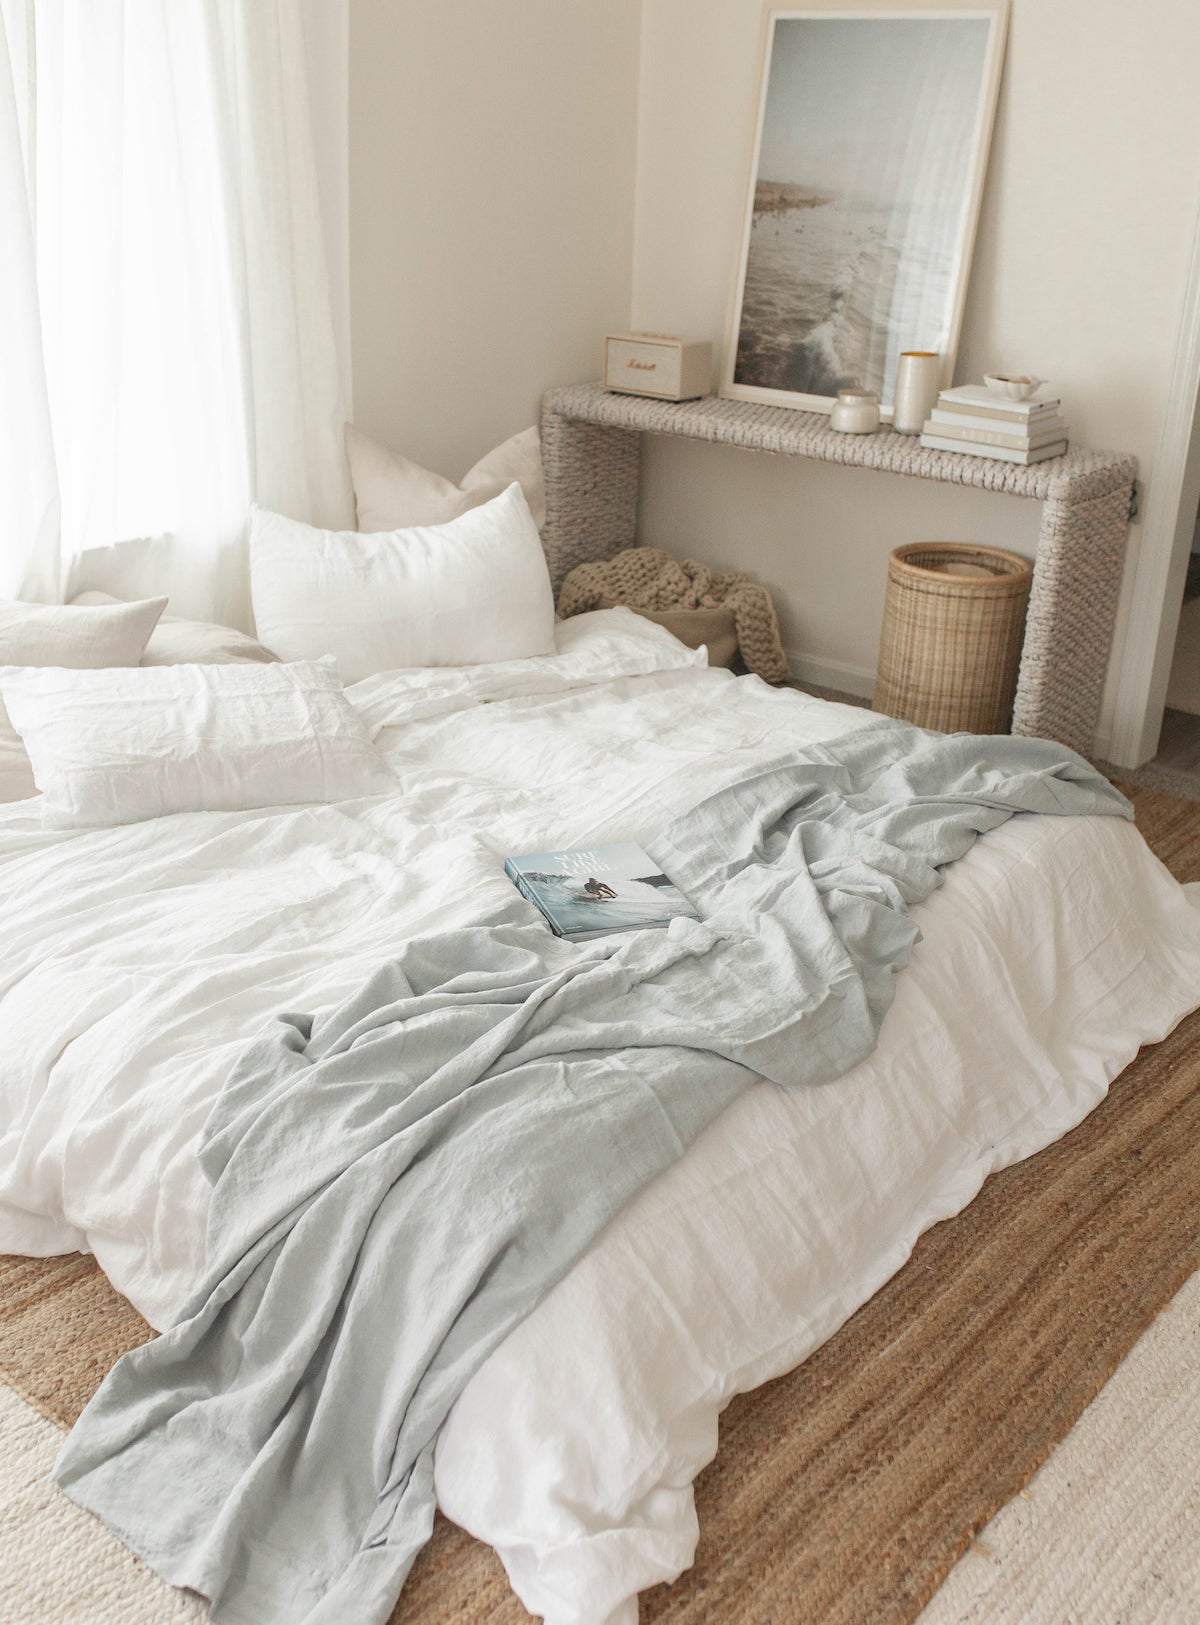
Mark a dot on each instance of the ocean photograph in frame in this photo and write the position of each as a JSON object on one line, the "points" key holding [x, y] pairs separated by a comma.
{"points": [[871, 142]]}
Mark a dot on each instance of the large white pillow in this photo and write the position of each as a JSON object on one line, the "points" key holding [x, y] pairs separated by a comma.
{"points": [[463, 594], [63, 635], [117, 746], [391, 493]]}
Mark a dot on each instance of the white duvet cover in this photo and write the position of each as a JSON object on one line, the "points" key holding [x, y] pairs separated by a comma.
{"points": [[135, 962]]}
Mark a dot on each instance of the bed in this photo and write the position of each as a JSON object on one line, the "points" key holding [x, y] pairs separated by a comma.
{"points": [[136, 961]]}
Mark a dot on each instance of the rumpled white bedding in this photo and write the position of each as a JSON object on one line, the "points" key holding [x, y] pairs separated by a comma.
{"points": [[135, 961]]}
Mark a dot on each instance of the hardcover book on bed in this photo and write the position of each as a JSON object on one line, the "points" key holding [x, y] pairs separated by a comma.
{"points": [[596, 890]]}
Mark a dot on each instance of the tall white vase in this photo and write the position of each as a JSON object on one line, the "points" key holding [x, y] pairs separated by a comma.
{"points": [[918, 376]]}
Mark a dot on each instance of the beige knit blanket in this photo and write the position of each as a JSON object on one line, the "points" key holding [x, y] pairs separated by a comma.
{"points": [[647, 578]]}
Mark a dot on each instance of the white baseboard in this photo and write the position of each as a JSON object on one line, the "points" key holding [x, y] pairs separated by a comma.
{"points": [[829, 673]]}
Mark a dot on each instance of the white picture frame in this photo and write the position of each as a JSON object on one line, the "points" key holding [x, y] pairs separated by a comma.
{"points": [[883, 113]]}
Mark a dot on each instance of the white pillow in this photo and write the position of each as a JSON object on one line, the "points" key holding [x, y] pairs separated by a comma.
{"points": [[113, 747], [463, 594], [178, 642], [392, 493], [63, 635]]}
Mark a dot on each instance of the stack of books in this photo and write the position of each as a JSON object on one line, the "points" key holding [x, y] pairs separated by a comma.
{"points": [[973, 419]]}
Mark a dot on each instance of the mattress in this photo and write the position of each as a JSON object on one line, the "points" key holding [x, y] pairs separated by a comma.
{"points": [[136, 962]]}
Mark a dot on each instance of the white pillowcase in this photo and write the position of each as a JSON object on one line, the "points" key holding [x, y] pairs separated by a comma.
{"points": [[64, 635], [391, 493], [117, 746], [599, 646], [463, 594], [178, 642]]}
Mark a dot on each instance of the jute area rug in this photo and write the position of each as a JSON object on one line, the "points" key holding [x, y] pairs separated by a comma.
{"points": [[845, 1491]]}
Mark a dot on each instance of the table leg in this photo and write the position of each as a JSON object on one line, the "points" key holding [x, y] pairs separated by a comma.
{"points": [[1072, 611], [591, 491]]}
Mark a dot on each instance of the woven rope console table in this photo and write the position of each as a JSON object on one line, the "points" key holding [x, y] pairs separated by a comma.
{"points": [[591, 442]]}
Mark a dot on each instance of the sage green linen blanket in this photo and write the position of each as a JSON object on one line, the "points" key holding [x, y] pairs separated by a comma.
{"points": [[398, 1181]]}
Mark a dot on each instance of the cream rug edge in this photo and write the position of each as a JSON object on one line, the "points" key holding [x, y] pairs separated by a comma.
{"points": [[58, 1564], [1108, 1529]]}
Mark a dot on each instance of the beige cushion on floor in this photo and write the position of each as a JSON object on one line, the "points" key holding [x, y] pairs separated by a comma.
{"points": [[647, 579], [80, 638], [714, 628]]}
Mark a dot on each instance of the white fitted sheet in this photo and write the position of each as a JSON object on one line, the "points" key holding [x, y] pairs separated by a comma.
{"points": [[135, 962]]}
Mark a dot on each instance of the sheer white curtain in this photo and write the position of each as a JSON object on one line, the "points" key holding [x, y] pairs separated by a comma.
{"points": [[188, 339], [28, 483]]}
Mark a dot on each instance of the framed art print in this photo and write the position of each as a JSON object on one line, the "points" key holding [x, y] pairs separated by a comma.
{"points": [[871, 142]]}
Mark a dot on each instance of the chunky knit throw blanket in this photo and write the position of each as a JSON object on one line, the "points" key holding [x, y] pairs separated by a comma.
{"points": [[647, 578]]}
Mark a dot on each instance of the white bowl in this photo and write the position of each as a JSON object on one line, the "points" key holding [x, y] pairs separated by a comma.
{"points": [[1018, 388]]}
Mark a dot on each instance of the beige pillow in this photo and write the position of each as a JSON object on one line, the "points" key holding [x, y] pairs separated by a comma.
{"points": [[392, 493], [714, 628], [176, 642], [64, 635]]}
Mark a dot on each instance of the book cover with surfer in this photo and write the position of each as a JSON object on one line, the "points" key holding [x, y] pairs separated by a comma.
{"points": [[592, 891]]}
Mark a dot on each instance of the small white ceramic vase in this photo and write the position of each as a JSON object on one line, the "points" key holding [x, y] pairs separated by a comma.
{"points": [[918, 377], [856, 411]]}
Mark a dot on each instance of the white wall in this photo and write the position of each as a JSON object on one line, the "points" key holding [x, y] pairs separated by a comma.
{"points": [[1184, 690], [1078, 273], [527, 173], [492, 147]]}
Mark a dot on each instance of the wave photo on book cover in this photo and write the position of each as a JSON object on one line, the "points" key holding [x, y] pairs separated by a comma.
{"points": [[591, 891]]}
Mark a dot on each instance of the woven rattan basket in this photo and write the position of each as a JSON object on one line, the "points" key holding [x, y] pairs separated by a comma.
{"points": [[953, 623]]}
